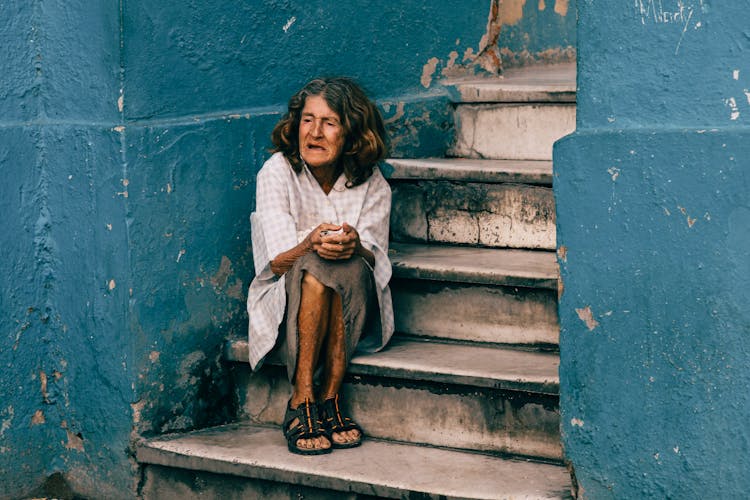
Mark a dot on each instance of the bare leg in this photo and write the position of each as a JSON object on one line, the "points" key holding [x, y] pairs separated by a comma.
{"points": [[335, 362], [312, 324]]}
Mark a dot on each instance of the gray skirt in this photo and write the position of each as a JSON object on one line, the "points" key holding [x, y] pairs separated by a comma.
{"points": [[353, 281]]}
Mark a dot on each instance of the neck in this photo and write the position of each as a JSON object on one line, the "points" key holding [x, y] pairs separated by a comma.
{"points": [[326, 176]]}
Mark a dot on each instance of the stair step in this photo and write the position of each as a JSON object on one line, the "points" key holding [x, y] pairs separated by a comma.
{"points": [[506, 422], [471, 170], [377, 468], [511, 131], [491, 215], [543, 83], [476, 313], [489, 266], [459, 364]]}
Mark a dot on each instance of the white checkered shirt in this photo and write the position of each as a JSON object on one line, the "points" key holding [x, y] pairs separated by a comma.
{"points": [[288, 207]]}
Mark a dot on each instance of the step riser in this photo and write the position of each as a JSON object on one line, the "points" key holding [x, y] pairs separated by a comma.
{"points": [[168, 483], [511, 131], [492, 215], [435, 414], [502, 315]]}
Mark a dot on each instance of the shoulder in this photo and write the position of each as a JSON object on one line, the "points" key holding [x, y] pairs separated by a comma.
{"points": [[377, 181], [276, 167]]}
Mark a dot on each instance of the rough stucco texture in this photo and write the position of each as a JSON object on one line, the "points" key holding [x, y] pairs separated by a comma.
{"points": [[682, 63], [257, 53], [653, 210], [129, 141]]}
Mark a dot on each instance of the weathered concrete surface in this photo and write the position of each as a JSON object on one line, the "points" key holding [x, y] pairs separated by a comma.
{"points": [[471, 170], [169, 483], [489, 266], [490, 215], [475, 313], [376, 468], [543, 83], [511, 131], [423, 413], [461, 364]]}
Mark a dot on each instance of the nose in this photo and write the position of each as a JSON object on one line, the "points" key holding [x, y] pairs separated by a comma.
{"points": [[317, 128]]}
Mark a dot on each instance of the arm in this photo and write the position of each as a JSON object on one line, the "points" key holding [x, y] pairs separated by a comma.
{"points": [[314, 242]]}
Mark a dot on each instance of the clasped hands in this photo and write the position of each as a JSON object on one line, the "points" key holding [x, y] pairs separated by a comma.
{"points": [[334, 245]]}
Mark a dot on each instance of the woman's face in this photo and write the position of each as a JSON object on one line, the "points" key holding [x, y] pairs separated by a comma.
{"points": [[321, 135]]}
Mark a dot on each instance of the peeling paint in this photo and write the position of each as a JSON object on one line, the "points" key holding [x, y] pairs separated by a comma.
{"points": [[43, 383], [125, 183], [734, 109], [562, 253], [488, 57], [548, 56], [289, 24], [511, 11], [575, 422], [451, 63], [121, 102], [542, 5], [397, 115], [428, 70], [587, 316], [111, 285], [188, 367], [75, 441], [237, 290], [222, 275], [614, 172], [561, 7], [137, 409], [8, 421], [690, 220], [37, 418], [154, 356]]}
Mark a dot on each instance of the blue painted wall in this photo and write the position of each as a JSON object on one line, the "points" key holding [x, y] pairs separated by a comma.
{"points": [[537, 31], [130, 136], [653, 210]]}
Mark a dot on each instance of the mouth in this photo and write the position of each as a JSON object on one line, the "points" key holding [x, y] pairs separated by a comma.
{"points": [[315, 147]]}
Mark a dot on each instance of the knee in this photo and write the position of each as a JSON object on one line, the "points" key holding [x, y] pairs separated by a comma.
{"points": [[311, 284], [359, 272]]}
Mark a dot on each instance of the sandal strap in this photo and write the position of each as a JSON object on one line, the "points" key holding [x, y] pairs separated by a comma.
{"points": [[309, 424], [333, 419]]}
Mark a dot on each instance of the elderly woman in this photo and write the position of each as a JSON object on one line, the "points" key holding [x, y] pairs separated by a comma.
{"points": [[320, 246]]}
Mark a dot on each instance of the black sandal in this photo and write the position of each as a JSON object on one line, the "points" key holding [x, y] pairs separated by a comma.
{"points": [[334, 421], [309, 426]]}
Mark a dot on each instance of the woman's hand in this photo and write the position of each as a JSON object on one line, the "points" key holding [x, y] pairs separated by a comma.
{"points": [[340, 243]]}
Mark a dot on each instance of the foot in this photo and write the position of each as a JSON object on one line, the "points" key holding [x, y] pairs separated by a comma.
{"points": [[304, 431], [342, 430], [316, 443]]}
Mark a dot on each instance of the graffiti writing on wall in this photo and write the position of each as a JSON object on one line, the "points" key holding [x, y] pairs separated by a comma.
{"points": [[684, 13]]}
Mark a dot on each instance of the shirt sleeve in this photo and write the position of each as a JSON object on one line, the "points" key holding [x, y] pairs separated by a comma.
{"points": [[374, 223], [273, 227]]}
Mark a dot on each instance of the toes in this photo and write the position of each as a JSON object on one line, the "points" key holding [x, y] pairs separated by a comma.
{"points": [[346, 437], [319, 443]]}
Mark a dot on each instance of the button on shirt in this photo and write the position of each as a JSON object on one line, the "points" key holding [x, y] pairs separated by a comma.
{"points": [[290, 205]]}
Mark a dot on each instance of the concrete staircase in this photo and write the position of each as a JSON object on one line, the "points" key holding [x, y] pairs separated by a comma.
{"points": [[464, 401]]}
